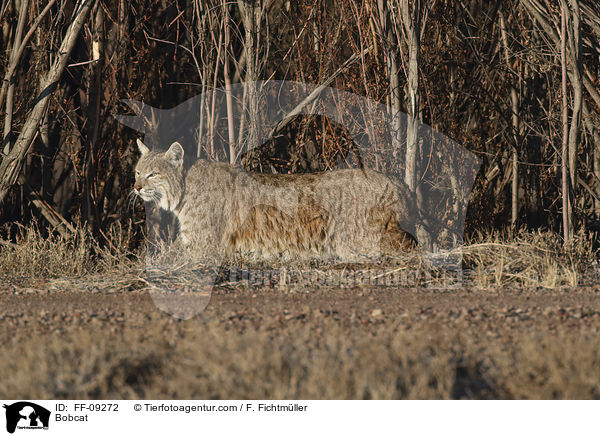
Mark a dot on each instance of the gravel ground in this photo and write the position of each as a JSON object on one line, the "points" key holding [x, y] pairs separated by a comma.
{"points": [[479, 329], [492, 311]]}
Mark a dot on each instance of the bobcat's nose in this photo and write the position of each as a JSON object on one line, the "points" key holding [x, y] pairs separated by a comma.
{"points": [[137, 187]]}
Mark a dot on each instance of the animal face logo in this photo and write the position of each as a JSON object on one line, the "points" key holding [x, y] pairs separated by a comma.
{"points": [[26, 415]]}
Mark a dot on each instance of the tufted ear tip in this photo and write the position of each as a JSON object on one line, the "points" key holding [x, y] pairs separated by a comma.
{"points": [[175, 154], [142, 147]]}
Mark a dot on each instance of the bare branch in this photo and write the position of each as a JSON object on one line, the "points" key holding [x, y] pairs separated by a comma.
{"points": [[11, 165], [313, 95], [15, 61]]}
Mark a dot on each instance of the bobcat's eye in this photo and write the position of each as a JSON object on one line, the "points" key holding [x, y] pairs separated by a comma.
{"points": [[152, 174], [137, 173]]}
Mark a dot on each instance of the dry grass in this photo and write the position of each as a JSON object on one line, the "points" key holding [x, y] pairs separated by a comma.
{"points": [[213, 362], [52, 256], [35, 256], [310, 357], [529, 260], [496, 260]]}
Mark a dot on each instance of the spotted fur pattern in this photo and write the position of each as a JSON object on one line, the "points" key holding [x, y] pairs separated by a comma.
{"points": [[346, 214]]}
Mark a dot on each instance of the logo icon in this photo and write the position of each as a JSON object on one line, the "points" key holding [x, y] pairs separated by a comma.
{"points": [[26, 415]]}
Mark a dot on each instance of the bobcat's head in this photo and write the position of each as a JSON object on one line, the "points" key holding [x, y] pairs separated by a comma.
{"points": [[159, 176]]}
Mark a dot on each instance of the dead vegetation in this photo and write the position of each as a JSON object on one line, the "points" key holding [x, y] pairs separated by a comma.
{"points": [[51, 256], [530, 259], [57, 261], [493, 260], [303, 340], [309, 359]]}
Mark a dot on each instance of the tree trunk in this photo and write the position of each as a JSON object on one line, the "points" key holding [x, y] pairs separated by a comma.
{"points": [[574, 130], [392, 55], [228, 98], [12, 164], [90, 210], [251, 17], [566, 206], [515, 125], [413, 32], [10, 94]]}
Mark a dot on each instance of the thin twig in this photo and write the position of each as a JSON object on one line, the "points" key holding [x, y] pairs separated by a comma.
{"points": [[313, 95], [15, 61]]}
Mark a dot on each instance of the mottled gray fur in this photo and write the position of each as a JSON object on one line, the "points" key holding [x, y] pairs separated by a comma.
{"points": [[346, 214]]}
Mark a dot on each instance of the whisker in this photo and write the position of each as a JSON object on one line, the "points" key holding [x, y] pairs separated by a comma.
{"points": [[132, 198]]}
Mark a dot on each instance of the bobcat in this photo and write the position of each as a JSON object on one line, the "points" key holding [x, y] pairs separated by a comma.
{"points": [[346, 214]]}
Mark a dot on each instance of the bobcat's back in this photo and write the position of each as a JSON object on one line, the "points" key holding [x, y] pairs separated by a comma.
{"points": [[349, 214]]}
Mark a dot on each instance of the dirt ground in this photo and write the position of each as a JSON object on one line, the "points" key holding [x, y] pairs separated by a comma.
{"points": [[326, 343]]}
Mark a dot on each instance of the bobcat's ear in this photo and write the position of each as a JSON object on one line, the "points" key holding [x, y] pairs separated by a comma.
{"points": [[175, 154], [143, 149]]}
